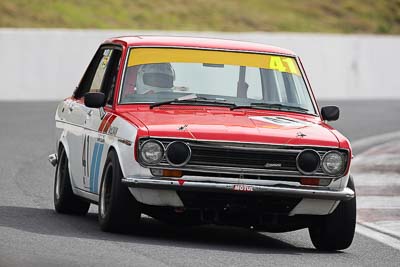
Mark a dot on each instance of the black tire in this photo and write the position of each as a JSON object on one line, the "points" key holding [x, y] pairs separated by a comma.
{"points": [[118, 209], [64, 199], [336, 231]]}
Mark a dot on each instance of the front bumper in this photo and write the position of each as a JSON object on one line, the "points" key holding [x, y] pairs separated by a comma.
{"points": [[53, 159], [270, 190]]}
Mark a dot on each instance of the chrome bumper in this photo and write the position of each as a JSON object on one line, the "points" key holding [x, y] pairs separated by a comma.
{"points": [[276, 190], [53, 159]]}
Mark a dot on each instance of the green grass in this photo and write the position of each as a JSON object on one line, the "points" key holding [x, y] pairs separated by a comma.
{"points": [[334, 16]]}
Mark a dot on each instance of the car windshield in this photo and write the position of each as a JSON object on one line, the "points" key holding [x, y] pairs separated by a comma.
{"points": [[158, 75]]}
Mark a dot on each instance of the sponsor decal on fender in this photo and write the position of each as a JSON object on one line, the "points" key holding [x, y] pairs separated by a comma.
{"points": [[113, 131]]}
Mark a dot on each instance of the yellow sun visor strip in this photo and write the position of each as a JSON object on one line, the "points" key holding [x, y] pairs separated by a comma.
{"points": [[139, 56]]}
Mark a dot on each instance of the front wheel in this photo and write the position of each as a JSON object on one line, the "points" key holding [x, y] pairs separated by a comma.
{"points": [[336, 231], [118, 209]]}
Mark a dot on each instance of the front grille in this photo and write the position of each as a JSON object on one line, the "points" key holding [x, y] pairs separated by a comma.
{"points": [[243, 159]]}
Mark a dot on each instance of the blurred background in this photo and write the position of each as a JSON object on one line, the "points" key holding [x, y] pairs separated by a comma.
{"points": [[349, 48]]}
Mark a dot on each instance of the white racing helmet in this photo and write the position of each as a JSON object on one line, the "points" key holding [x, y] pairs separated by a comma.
{"points": [[154, 78]]}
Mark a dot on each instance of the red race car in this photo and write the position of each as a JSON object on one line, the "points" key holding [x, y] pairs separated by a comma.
{"points": [[198, 131]]}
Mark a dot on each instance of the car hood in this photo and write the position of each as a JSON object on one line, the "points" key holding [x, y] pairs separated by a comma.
{"points": [[221, 124]]}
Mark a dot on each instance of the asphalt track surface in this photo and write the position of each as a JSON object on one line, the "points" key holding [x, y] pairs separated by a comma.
{"points": [[32, 234]]}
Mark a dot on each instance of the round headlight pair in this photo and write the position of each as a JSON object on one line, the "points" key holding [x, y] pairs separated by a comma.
{"points": [[177, 153], [308, 162]]}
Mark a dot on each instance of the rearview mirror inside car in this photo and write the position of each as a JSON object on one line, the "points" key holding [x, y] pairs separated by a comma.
{"points": [[95, 100], [330, 113]]}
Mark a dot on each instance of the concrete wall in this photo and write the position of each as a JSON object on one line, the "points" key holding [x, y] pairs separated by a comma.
{"points": [[47, 64]]}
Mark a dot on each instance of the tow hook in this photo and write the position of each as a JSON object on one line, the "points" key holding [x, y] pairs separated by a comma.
{"points": [[53, 159]]}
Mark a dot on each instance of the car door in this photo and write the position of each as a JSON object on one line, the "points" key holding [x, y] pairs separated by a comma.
{"points": [[98, 120], [72, 117], [76, 115]]}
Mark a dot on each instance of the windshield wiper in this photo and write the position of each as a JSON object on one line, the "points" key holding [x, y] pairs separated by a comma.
{"points": [[193, 98], [273, 106]]}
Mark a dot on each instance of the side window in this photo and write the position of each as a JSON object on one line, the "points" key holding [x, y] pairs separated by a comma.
{"points": [[112, 73], [100, 71], [101, 74]]}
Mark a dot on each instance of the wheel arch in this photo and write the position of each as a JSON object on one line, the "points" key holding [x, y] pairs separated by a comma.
{"points": [[117, 150], [62, 143]]}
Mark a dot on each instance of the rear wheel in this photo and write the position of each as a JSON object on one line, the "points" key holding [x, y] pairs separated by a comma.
{"points": [[336, 231], [64, 199], [118, 209]]}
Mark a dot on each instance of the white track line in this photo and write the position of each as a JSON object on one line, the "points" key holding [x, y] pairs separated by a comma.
{"points": [[376, 179], [375, 234], [378, 202], [364, 143], [369, 229]]}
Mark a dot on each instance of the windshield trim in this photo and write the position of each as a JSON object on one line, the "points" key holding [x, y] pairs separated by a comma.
{"points": [[295, 57]]}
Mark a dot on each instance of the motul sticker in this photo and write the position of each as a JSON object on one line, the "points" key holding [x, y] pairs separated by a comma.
{"points": [[242, 187]]}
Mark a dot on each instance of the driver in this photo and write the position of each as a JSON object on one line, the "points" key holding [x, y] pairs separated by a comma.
{"points": [[154, 78]]}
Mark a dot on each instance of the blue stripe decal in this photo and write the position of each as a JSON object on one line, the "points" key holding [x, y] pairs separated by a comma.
{"points": [[92, 166], [97, 168]]}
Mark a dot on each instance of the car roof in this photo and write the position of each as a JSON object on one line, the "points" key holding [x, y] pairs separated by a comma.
{"points": [[197, 42]]}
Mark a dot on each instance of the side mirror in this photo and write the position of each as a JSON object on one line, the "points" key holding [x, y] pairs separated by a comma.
{"points": [[95, 100], [330, 113]]}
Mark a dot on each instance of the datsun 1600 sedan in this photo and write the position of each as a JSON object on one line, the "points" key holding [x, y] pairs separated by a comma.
{"points": [[203, 131]]}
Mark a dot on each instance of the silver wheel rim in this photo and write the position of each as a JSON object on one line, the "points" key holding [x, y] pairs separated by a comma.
{"points": [[102, 200], [105, 192], [58, 185], [58, 178]]}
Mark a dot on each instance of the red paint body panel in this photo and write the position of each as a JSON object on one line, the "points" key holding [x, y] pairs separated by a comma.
{"points": [[197, 42], [220, 123], [103, 122]]}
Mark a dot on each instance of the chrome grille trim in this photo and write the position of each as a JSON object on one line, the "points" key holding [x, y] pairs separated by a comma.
{"points": [[286, 154], [233, 170]]}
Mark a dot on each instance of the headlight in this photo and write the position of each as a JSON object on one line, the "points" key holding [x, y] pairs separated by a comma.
{"points": [[308, 161], [151, 152], [333, 163], [178, 153]]}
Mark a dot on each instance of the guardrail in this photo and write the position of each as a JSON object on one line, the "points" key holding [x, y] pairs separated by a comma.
{"points": [[47, 64]]}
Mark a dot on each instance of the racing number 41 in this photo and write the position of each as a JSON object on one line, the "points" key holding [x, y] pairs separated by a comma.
{"points": [[283, 64]]}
